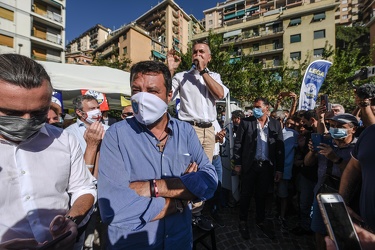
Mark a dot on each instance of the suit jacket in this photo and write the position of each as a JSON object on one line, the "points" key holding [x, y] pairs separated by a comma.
{"points": [[246, 141]]}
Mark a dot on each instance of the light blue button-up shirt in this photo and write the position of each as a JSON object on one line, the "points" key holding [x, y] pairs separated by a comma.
{"points": [[129, 153]]}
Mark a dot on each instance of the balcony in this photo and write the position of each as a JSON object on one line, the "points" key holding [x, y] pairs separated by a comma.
{"points": [[175, 14], [54, 16], [46, 36], [175, 22]]}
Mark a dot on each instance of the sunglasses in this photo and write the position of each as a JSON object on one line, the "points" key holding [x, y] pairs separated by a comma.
{"points": [[127, 114]]}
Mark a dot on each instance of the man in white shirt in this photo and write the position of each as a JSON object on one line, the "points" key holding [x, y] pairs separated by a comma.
{"points": [[45, 188], [89, 130], [198, 88]]}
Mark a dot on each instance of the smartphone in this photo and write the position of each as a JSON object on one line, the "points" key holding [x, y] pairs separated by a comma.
{"points": [[53, 242], [324, 101], [319, 138], [338, 222]]}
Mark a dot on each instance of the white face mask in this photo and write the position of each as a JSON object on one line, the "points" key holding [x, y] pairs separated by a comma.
{"points": [[93, 116], [148, 108]]}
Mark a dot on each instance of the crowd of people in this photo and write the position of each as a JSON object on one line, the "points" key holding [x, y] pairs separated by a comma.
{"points": [[143, 182]]}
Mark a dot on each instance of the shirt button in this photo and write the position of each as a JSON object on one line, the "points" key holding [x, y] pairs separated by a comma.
{"points": [[27, 197], [23, 172], [166, 236], [165, 174]]}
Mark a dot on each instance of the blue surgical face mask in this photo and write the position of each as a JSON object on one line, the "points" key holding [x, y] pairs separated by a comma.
{"points": [[257, 112], [338, 133]]}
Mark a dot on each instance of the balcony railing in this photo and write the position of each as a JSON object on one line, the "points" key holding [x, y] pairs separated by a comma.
{"points": [[47, 36], [49, 14]]}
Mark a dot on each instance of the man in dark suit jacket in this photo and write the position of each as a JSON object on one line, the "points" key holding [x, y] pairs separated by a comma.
{"points": [[259, 159]]}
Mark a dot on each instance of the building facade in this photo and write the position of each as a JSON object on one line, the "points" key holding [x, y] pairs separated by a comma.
{"points": [[34, 28], [79, 51], [274, 31]]}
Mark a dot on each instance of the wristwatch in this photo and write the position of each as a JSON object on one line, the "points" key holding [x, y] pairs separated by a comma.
{"points": [[205, 70], [71, 218], [364, 103]]}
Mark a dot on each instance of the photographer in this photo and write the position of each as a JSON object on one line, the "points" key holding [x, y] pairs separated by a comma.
{"points": [[360, 168]]}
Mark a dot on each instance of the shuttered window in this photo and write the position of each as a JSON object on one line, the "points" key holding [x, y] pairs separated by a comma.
{"points": [[6, 41], [6, 14]]}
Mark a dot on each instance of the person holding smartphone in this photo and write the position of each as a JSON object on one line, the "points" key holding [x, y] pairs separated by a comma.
{"points": [[46, 189], [366, 238], [332, 161]]}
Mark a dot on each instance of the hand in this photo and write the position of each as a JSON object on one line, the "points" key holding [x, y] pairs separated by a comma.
{"points": [[173, 60], [201, 65], [237, 169], [321, 111], [310, 146], [366, 239], [94, 134], [278, 176], [220, 136], [292, 95], [142, 188], [193, 167], [327, 151], [61, 225], [24, 244]]}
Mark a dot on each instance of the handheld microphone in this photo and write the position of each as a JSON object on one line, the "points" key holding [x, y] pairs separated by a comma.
{"points": [[195, 64]]}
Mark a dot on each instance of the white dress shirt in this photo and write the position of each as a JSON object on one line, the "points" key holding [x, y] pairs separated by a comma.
{"points": [[39, 179], [262, 141], [196, 101]]}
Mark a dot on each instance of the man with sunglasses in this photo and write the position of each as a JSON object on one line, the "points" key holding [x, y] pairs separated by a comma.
{"points": [[45, 188]]}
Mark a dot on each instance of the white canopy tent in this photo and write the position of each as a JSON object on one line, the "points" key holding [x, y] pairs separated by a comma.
{"points": [[71, 78]]}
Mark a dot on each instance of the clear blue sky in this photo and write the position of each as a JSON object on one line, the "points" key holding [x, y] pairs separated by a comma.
{"points": [[84, 14]]}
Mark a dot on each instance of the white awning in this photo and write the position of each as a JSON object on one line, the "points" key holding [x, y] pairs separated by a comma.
{"points": [[232, 33]]}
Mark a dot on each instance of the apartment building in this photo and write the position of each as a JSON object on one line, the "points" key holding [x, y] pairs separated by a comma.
{"points": [[347, 13], [274, 31], [34, 28], [79, 50], [367, 9], [150, 36]]}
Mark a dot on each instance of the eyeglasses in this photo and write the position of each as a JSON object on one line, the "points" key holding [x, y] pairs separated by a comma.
{"points": [[127, 114]]}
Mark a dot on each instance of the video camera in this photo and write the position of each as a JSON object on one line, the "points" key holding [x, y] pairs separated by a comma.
{"points": [[362, 74]]}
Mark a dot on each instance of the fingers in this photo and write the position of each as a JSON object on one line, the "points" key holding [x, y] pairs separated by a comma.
{"points": [[329, 243], [60, 225], [20, 244], [193, 167]]}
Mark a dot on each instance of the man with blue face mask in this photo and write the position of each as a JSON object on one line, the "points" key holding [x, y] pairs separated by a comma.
{"points": [[259, 159], [331, 160], [156, 166], [46, 191]]}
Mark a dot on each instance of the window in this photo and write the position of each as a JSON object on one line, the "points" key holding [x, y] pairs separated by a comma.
{"points": [[295, 21], [125, 50], [6, 41], [6, 14], [345, 17], [344, 9], [319, 16], [295, 38], [344, 1], [318, 52], [255, 46], [295, 55], [124, 37], [319, 34], [210, 22]]}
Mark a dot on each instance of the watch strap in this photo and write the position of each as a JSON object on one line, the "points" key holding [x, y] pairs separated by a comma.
{"points": [[205, 70]]}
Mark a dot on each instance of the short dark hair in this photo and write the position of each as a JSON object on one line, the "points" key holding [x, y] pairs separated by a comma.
{"points": [[22, 71], [145, 67], [366, 91], [238, 114], [309, 114], [264, 100], [77, 102]]}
